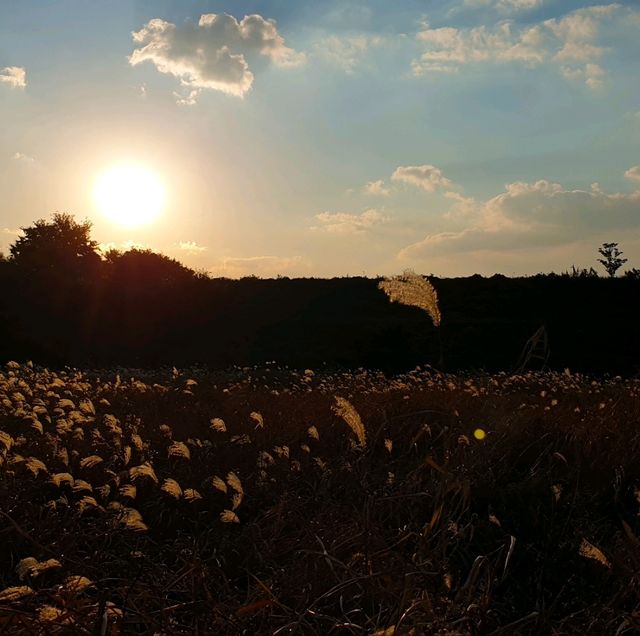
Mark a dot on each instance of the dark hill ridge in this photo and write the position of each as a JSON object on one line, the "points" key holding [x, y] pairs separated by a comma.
{"points": [[144, 316]]}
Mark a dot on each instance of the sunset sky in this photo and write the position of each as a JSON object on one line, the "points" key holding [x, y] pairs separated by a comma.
{"points": [[332, 137]]}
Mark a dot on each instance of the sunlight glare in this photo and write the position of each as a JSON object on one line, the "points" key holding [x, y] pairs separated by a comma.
{"points": [[129, 195]]}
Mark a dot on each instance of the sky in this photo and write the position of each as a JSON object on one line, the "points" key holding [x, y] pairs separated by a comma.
{"points": [[332, 137]]}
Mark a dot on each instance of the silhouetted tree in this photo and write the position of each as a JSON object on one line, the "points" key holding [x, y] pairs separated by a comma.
{"points": [[147, 269], [62, 246], [612, 260]]}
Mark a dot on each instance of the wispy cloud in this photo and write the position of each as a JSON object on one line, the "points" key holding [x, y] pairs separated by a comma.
{"points": [[518, 5], [348, 52], [345, 223], [124, 246], [212, 54], [191, 247], [505, 6], [264, 266], [22, 158], [14, 76], [377, 188], [527, 215], [570, 43]]}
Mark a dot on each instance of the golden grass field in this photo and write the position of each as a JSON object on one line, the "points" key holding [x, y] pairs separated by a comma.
{"points": [[272, 501]]}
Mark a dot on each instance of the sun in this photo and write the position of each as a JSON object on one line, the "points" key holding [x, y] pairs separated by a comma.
{"points": [[129, 195]]}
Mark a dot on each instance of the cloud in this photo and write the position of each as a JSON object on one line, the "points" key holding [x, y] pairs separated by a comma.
{"points": [[377, 188], [265, 266], [518, 5], [505, 5], [212, 54], [8, 232], [8, 236], [568, 43], [633, 173], [347, 53], [591, 74], [535, 214], [22, 158], [15, 76], [344, 223], [191, 247], [427, 177], [124, 246]]}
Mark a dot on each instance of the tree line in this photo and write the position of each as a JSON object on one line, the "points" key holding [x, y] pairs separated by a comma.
{"points": [[64, 302]]}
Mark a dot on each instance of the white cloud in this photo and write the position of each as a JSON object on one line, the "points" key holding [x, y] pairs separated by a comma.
{"points": [[191, 247], [344, 223], [377, 188], [568, 43], [633, 173], [347, 52], [212, 54], [427, 177], [15, 76], [527, 215]]}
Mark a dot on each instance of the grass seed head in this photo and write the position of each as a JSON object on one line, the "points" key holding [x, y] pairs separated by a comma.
{"points": [[218, 484], [191, 495], [91, 461], [11, 594], [218, 425], [143, 472], [172, 488], [234, 482], [179, 450], [75, 584], [228, 516], [257, 418], [131, 519], [344, 409], [594, 553], [414, 290]]}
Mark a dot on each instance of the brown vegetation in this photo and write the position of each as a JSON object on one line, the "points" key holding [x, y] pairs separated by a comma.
{"points": [[190, 502]]}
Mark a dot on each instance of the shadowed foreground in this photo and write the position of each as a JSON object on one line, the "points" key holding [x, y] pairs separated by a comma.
{"points": [[244, 502]]}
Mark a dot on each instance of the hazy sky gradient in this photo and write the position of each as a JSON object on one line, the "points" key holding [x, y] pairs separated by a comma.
{"points": [[348, 137]]}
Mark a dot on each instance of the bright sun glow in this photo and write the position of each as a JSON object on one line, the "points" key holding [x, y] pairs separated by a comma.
{"points": [[129, 195]]}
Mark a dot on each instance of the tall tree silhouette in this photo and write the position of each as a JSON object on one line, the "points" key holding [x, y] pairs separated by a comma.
{"points": [[612, 260], [61, 247], [55, 276]]}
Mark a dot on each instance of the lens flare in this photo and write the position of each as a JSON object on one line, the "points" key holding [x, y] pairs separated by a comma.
{"points": [[479, 434]]}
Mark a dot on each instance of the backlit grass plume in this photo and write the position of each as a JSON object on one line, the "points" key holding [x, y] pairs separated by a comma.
{"points": [[344, 409], [412, 289]]}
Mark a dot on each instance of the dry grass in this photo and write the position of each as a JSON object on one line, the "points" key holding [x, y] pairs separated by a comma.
{"points": [[414, 290], [414, 526]]}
